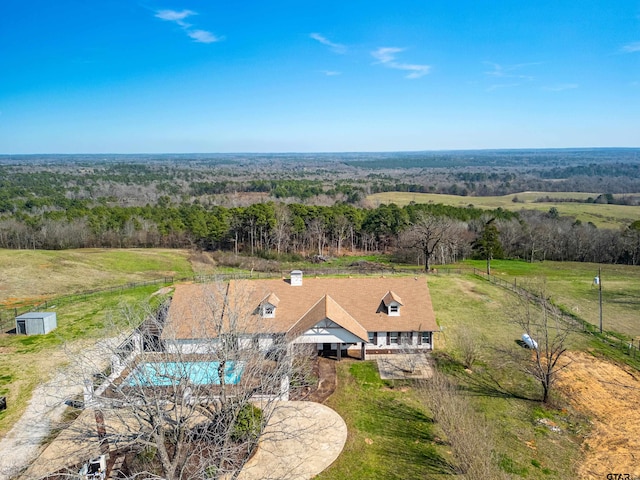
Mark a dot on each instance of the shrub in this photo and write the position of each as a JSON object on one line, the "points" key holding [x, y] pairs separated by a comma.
{"points": [[248, 424]]}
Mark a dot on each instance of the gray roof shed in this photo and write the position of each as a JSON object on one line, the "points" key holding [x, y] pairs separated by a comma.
{"points": [[36, 323]]}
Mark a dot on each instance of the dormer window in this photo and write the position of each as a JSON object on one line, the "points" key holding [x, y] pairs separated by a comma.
{"points": [[393, 304], [268, 306]]}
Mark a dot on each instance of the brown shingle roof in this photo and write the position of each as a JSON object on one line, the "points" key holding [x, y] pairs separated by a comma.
{"points": [[327, 308], [195, 308], [391, 297], [271, 299]]}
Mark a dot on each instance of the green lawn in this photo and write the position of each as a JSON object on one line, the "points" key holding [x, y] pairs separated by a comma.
{"points": [[601, 215], [499, 391], [391, 435]]}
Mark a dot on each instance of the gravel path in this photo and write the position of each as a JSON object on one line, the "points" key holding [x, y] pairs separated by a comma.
{"points": [[23, 443]]}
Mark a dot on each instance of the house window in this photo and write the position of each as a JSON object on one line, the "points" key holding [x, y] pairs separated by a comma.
{"points": [[406, 338], [268, 311], [372, 337], [394, 338], [426, 338], [394, 310]]}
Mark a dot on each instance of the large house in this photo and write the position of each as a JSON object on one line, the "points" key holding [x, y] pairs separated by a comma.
{"points": [[369, 315]]}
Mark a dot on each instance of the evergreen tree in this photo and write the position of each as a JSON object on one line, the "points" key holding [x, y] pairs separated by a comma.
{"points": [[487, 245]]}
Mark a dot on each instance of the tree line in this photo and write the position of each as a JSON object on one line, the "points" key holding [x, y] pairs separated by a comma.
{"points": [[418, 233]]}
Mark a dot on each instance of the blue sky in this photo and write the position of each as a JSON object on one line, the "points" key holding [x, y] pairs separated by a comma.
{"points": [[121, 76]]}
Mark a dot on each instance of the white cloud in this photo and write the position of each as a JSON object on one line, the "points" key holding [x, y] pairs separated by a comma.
{"points": [[202, 36], [631, 47], [336, 47], [175, 16], [178, 17], [386, 54], [331, 73], [387, 57]]}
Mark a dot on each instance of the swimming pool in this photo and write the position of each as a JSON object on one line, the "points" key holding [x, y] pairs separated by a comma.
{"points": [[162, 374]]}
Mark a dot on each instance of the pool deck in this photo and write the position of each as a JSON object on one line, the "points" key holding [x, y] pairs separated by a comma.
{"points": [[301, 440]]}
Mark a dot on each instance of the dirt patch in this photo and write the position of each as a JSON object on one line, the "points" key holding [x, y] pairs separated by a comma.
{"points": [[469, 288], [327, 380], [610, 395]]}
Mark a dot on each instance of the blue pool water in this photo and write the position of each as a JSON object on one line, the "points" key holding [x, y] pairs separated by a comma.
{"points": [[170, 373]]}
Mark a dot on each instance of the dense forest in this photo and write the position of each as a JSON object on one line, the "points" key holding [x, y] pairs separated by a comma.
{"points": [[314, 205]]}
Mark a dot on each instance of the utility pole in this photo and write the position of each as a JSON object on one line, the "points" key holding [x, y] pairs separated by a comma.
{"points": [[600, 295]]}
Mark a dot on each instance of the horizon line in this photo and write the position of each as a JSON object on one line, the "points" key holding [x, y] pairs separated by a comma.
{"points": [[331, 152]]}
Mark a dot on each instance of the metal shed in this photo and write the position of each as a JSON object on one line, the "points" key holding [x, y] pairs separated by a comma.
{"points": [[36, 323]]}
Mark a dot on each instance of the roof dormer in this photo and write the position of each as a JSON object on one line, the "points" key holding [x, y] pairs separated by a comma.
{"points": [[268, 306], [393, 303]]}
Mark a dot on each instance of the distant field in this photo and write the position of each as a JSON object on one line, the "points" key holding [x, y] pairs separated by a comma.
{"points": [[31, 275], [601, 215]]}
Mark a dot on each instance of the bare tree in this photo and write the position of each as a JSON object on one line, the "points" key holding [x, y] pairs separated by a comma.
{"points": [[189, 398], [548, 332], [470, 438], [427, 233], [468, 345]]}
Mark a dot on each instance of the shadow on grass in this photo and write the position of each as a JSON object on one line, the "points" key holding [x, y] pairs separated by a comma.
{"points": [[407, 434], [482, 382]]}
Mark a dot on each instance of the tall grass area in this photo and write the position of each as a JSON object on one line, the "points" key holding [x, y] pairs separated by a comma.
{"points": [[27, 361], [571, 286]]}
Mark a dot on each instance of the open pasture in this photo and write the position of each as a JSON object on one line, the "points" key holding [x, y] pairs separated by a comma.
{"points": [[571, 285], [28, 276], [601, 215]]}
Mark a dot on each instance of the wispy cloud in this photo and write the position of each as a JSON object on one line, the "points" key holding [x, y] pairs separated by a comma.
{"points": [[509, 71], [631, 47], [499, 86], [561, 87], [387, 57], [336, 47], [178, 17]]}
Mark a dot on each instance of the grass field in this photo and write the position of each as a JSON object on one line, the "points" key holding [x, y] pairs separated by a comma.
{"points": [[27, 276], [570, 285], [601, 215]]}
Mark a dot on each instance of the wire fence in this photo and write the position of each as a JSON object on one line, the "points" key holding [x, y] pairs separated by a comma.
{"points": [[629, 347], [8, 315]]}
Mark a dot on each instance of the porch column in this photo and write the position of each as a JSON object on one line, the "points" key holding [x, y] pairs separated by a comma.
{"points": [[363, 353], [339, 354]]}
